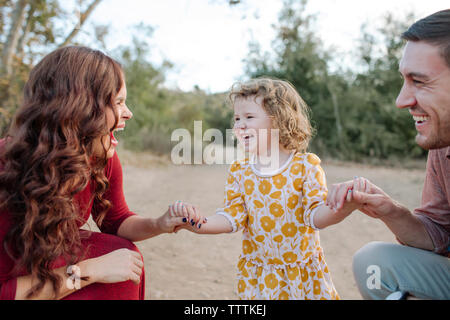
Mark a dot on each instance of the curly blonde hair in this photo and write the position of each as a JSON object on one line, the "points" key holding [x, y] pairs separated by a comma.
{"points": [[284, 105]]}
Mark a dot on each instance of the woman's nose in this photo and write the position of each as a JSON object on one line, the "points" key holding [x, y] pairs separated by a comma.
{"points": [[126, 113]]}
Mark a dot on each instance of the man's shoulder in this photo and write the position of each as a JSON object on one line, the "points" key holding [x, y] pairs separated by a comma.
{"points": [[441, 154]]}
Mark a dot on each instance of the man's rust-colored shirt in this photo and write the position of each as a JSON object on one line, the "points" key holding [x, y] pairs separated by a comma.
{"points": [[434, 211]]}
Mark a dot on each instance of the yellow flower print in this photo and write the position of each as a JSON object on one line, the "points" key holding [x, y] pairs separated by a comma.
{"points": [[230, 179], [290, 257], [316, 287], [232, 195], [292, 201], [320, 178], [320, 274], [305, 275], [251, 219], [275, 261], [241, 286], [265, 187], [248, 172], [258, 204], [276, 209], [278, 238], [299, 215], [267, 224], [296, 168], [247, 247], [281, 274], [292, 273], [241, 264], [298, 184], [283, 296], [289, 229], [271, 281], [253, 282], [313, 159], [259, 238], [259, 271], [249, 186], [275, 195], [234, 209], [304, 244], [313, 193], [235, 167], [302, 230], [279, 181]]}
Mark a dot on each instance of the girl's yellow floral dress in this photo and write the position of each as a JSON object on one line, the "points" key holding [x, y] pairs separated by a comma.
{"points": [[281, 253]]}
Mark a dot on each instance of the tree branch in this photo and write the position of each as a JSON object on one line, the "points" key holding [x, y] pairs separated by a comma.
{"points": [[83, 18], [13, 36]]}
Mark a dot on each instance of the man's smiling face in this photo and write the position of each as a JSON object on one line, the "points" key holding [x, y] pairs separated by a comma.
{"points": [[426, 92]]}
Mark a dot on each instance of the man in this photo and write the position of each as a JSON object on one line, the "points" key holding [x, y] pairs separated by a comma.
{"points": [[420, 266]]}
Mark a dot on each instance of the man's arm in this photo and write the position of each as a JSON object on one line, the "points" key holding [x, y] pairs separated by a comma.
{"points": [[404, 225]]}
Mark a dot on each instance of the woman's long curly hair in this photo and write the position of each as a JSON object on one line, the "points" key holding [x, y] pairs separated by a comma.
{"points": [[49, 157]]}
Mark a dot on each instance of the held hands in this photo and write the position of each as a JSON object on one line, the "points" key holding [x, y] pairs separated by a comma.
{"points": [[361, 194], [190, 215]]}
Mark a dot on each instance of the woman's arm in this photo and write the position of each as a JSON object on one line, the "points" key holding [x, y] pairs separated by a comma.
{"points": [[116, 266], [136, 228], [25, 283]]}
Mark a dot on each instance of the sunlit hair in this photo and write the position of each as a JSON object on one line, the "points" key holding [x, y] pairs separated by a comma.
{"points": [[49, 157], [283, 104], [433, 29]]}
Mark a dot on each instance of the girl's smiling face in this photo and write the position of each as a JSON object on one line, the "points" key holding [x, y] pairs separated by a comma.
{"points": [[252, 125]]}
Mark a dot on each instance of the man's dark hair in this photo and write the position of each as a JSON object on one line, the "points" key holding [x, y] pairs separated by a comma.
{"points": [[434, 29]]}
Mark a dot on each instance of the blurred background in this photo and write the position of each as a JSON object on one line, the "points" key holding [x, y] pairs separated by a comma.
{"points": [[181, 56]]}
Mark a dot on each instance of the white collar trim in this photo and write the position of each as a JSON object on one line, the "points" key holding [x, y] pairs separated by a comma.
{"points": [[270, 173]]}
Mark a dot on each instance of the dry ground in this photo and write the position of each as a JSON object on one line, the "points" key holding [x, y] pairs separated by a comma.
{"points": [[190, 266]]}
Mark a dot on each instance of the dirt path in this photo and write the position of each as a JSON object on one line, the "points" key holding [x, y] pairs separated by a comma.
{"points": [[190, 266]]}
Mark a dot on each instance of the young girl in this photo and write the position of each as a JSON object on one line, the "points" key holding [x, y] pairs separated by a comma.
{"points": [[279, 210]]}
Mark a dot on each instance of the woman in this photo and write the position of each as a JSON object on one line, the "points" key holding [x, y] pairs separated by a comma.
{"points": [[58, 165]]}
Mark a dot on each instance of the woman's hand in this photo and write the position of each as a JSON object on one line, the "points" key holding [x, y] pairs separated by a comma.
{"points": [[116, 266]]}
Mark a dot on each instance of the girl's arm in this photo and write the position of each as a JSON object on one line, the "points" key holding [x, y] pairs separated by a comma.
{"points": [[195, 222], [215, 224], [325, 216]]}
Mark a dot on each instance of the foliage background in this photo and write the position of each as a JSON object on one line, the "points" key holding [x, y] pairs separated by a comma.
{"points": [[352, 111]]}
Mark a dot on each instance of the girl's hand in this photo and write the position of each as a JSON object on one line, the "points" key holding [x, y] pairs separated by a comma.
{"points": [[190, 213], [116, 266]]}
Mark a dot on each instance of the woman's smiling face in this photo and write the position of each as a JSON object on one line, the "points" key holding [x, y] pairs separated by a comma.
{"points": [[109, 142]]}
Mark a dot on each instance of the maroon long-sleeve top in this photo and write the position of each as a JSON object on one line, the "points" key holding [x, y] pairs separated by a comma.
{"points": [[434, 211], [113, 219]]}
